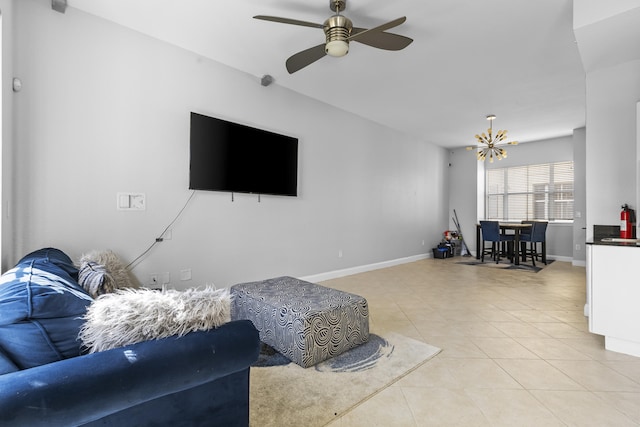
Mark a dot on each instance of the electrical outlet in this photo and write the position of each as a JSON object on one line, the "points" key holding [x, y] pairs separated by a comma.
{"points": [[185, 274], [339, 253], [154, 279]]}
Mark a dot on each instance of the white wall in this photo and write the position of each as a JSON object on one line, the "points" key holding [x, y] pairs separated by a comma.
{"points": [[544, 151], [588, 12], [106, 110], [607, 36], [6, 220], [612, 94]]}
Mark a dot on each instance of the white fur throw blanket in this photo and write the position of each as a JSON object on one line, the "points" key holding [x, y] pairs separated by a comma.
{"points": [[129, 316]]}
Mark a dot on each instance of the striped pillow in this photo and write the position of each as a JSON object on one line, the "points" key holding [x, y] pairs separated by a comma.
{"points": [[101, 272]]}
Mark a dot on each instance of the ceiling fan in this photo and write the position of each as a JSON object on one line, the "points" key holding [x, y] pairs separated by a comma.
{"points": [[339, 31]]}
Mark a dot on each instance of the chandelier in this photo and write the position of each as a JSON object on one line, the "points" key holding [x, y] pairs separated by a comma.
{"points": [[489, 144]]}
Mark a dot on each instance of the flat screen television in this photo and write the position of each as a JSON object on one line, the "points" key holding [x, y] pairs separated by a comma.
{"points": [[232, 157]]}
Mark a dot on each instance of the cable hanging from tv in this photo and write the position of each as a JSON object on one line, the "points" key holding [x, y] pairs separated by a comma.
{"points": [[133, 264]]}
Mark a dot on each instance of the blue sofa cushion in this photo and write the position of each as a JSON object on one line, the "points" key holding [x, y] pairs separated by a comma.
{"points": [[6, 364], [199, 379], [41, 305]]}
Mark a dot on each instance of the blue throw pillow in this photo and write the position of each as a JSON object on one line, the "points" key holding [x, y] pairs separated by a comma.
{"points": [[41, 305]]}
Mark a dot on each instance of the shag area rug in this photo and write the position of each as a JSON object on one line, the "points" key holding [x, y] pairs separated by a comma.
{"points": [[285, 394], [507, 265]]}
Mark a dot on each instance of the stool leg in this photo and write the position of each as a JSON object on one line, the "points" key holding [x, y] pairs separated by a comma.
{"points": [[533, 253]]}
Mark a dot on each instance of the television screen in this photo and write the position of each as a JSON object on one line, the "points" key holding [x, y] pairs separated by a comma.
{"points": [[227, 156]]}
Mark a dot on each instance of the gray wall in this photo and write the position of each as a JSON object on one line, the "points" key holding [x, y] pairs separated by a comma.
{"points": [[464, 174], [467, 191], [106, 110], [580, 196]]}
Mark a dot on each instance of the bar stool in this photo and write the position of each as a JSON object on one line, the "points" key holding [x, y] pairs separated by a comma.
{"points": [[538, 235], [491, 233], [527, 234]]}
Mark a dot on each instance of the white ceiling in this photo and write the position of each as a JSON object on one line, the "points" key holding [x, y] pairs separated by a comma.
{"points": [[515, 59]]}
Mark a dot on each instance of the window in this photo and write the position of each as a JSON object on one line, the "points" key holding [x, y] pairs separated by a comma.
{"points": [[533, 192]]}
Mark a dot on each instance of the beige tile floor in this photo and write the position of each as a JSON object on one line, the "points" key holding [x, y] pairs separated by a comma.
{"points": [[516, 350]]}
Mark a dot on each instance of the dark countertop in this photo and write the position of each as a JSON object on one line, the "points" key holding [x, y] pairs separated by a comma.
{"points": [[609, 242]]}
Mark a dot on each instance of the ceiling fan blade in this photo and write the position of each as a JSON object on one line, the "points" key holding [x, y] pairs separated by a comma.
{"points": [[304, 58], [288, 21], [378, 29], [382, 40]]}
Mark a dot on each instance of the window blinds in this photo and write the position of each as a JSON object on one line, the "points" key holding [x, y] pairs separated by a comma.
{"points": [[532, 192]]}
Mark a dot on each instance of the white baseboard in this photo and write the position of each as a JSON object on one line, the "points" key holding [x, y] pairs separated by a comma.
{"points": [[384, 264], [560, 258], [622, 346], [363, 268]]}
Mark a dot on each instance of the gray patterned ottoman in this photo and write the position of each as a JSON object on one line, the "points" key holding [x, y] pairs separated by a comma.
{"points": [[306, 322]]}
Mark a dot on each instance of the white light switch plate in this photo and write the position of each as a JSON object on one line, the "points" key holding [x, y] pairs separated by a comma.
{"points": [[131, 201]]}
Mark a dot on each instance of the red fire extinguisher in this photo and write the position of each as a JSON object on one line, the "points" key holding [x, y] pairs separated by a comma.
{"points": [[627, 220]]}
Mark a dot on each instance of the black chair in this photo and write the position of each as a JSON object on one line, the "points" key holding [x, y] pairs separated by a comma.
{"points": [[538, 235], [491, 233], [526, 232]]}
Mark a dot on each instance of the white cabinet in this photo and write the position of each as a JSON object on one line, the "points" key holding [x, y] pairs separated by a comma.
{"points": [[613, 296]]}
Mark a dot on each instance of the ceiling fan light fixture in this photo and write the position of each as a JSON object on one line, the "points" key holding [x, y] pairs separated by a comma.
{"points": [[337, 30], [337, 48]]}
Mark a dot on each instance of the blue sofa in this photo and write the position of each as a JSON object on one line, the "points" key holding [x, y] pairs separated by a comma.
{"points": [[199, 379]]}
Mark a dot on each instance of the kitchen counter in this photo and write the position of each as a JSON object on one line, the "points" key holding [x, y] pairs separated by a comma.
{"points": [[615, 241]]}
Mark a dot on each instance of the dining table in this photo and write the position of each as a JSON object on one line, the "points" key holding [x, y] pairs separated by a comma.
{"points": [[517, 228]]}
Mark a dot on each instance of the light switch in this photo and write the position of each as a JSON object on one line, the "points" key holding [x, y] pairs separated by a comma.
{"points": [[123, 201], [131, 201]]}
